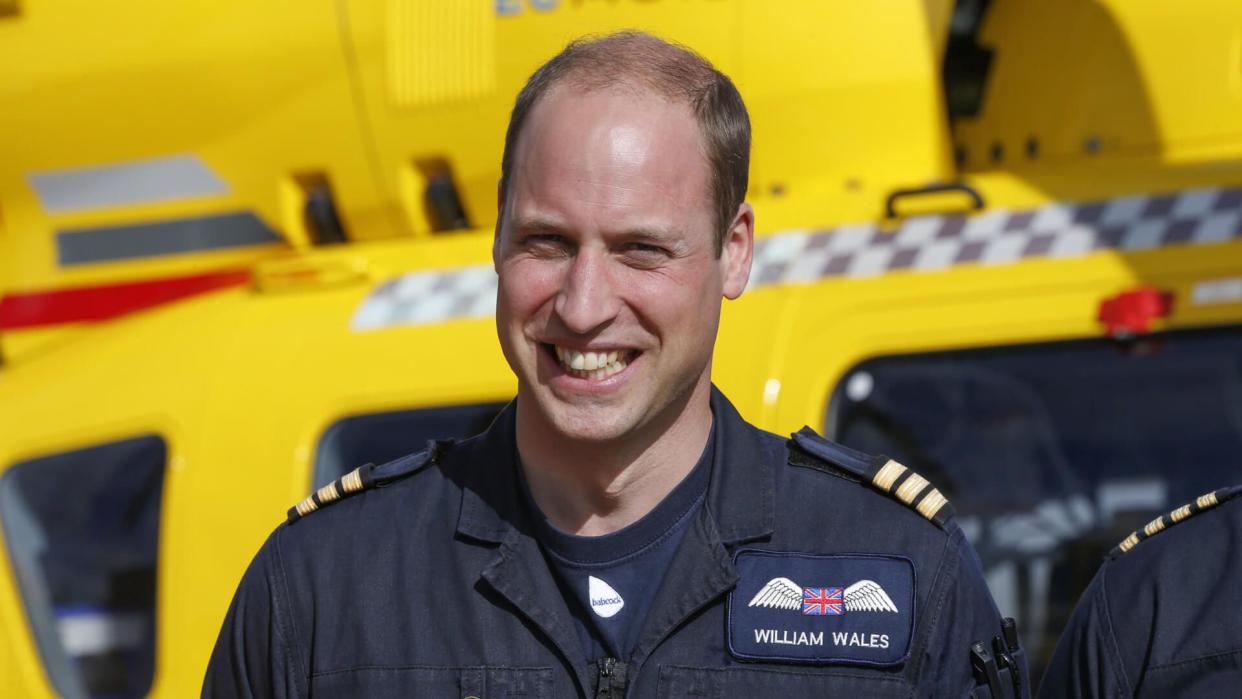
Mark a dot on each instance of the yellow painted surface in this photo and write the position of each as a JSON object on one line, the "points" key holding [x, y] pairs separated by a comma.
{"points": [[1136, 78], [846, 106], [360, 92]]}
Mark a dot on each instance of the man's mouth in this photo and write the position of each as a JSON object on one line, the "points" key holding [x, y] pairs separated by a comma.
{"points": [[595, 366]]}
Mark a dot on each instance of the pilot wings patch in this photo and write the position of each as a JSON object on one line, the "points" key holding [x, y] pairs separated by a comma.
{"points": [[795, 607], [862, 596]]}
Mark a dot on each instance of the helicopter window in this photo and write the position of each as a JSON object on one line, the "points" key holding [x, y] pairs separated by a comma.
{"points": [[82, 529], [381, 437], [1053, 453]]}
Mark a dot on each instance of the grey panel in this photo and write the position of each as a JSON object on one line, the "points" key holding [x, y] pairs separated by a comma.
{"points": [[162, 179], [84, 246]]}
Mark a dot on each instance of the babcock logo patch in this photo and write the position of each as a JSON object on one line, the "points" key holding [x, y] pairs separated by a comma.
{"points": [[868, 622], [605, 601]]}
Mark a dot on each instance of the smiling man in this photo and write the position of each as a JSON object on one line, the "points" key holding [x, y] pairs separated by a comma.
{"points": [[612, 263], [620, 530]]}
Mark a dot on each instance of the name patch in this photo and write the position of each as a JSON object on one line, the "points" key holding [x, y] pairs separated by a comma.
{"points": [[805, 608]]}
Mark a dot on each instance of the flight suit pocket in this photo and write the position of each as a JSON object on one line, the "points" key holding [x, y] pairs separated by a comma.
{"points": [[426, 681], [790, 681]]}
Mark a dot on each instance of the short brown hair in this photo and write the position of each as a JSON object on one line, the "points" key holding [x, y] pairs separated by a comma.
{"points": [[671, 71]]}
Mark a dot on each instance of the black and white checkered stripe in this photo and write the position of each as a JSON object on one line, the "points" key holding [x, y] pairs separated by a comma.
{"points": [[928, 243], [419, 298], [923, 243]]}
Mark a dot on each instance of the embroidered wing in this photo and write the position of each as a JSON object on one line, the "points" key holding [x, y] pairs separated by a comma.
{"points": [[779, 593], [867, 596]]}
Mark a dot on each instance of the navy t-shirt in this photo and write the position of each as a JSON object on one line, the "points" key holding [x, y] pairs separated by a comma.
{"points": [[610, 581]]}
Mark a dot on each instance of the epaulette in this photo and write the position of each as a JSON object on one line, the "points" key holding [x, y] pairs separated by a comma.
{"points": [[884, 474], [368, 476], [1203, 503]]}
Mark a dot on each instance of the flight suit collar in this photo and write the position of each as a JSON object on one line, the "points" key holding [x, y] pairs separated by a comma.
{"points": [[741, 496], [491, 500]]}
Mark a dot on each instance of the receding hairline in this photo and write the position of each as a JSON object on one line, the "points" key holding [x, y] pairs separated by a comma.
{"points": [[565, 90], [635, 61], [669, 68], [624, 87]]}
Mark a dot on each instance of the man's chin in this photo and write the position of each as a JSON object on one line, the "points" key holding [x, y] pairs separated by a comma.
{"points": [[594, 428], [585, 421]]}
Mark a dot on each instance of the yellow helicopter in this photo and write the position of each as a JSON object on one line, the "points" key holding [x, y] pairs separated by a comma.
{"points": [[246, 246]]}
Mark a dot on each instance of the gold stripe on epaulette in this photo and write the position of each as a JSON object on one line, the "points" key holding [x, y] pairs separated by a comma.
{"points": [[888, 475], [328, 493], [931, 504], [352, 482], [1180, 513], [911, 488], [1154, 526], [1206, 501], [1129, 543], [306, 506]]}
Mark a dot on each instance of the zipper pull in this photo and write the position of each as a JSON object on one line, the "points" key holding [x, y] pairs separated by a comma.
{"points": [[611, 681]]}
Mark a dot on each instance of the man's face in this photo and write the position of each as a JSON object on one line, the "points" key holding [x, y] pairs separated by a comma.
{"points": [[610, 287]]}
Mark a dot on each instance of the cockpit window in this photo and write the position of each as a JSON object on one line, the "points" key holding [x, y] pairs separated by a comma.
{"points": [[1053, 453], [381, 437], [82, 529]]}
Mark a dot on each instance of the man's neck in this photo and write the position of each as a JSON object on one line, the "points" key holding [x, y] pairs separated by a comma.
{"points": [[596, 488]]}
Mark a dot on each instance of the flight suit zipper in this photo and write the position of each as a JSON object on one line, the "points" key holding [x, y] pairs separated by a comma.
{"points": [[610, 682]]}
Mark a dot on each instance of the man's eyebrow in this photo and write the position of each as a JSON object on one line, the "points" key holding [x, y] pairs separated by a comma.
{"points": [[537, 225], [669, 239], [650, 234], [653, 235]]}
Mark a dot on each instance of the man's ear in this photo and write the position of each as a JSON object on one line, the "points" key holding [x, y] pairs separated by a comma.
{"points": [[738, 250], [500, 222]]}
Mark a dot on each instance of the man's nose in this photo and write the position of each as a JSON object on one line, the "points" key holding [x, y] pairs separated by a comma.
{"points": [[588, 298]]}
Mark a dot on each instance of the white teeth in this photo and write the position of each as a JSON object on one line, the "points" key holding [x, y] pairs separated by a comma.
{"points": [[592, 365]]}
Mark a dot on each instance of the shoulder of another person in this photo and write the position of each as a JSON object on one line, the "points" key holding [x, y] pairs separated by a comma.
{"points": [[1201, 504], [880, 473], [367, 477]]}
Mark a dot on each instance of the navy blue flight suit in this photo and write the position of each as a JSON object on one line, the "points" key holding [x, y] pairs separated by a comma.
{"points": [[1163, 616], [798, 578]]}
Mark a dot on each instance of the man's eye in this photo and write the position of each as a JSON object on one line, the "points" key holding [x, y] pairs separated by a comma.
{"points": [[546, 243], [543, 239], [644, 252], [647, 248]]}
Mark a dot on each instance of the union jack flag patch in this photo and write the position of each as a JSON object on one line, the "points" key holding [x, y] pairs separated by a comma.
{"points": [[822, 601]]}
